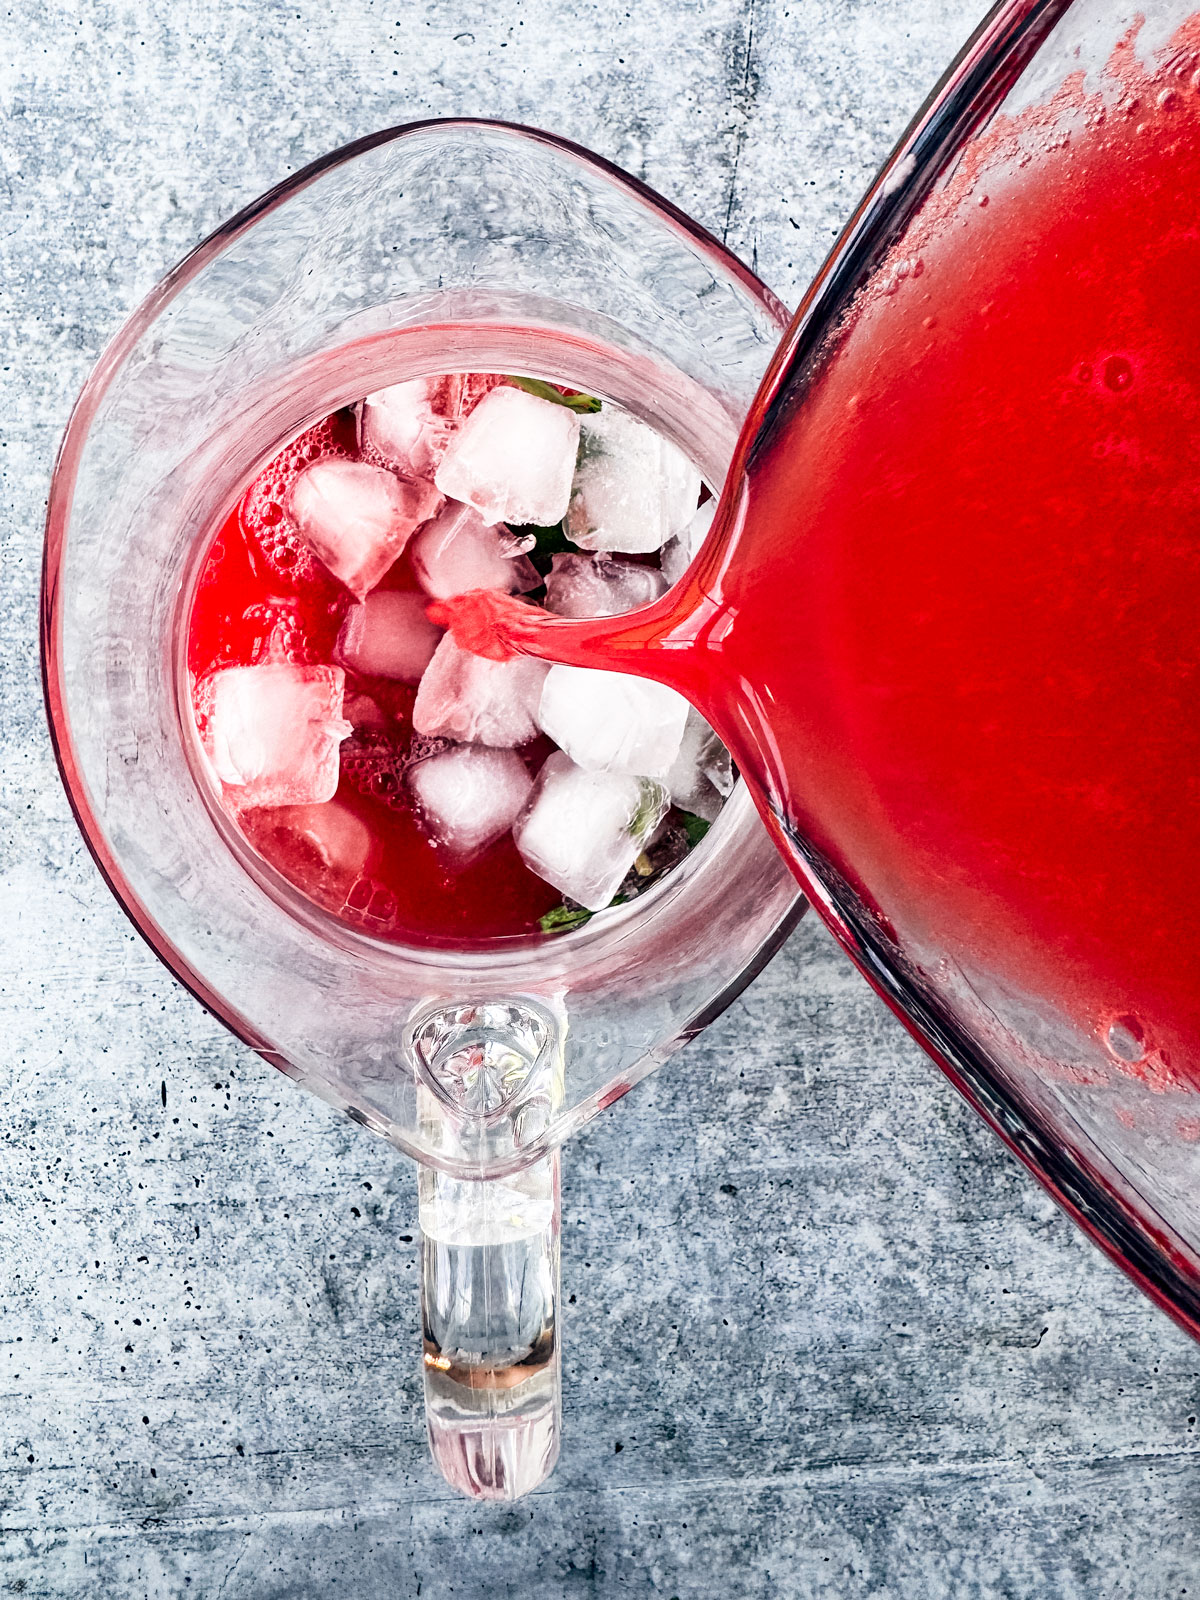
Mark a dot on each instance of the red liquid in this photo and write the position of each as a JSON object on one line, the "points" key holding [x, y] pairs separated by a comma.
{"points": [[952, 631], [262, 596], [979, 658]]}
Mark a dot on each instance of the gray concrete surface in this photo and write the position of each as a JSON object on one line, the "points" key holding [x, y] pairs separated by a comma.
{"points": [[825, 1339]]}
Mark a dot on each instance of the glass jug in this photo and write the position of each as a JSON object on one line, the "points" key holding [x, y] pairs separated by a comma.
{"points": [[945, 617], [436, 247]]}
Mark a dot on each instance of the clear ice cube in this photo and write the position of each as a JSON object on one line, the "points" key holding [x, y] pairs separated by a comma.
{"points": [[469, 796], [272, 732], [613, 721], [600, 586], [388, 635], [682, 550], [633, 489], [407, 424], [458, 552], [365, 715], [473, 701], [322, 848], [513, 458], [701, 776], [583, 830], [357, 517]]}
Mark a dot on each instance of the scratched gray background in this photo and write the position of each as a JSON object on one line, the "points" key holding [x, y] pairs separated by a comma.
{"points": [[824, 1338]]}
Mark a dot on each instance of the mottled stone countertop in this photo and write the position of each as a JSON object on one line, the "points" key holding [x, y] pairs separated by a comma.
{"points": [[824, 1337]]}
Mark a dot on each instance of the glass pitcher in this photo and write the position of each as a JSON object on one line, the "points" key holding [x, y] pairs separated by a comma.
{"points": [[945, 617], [436, 247]]}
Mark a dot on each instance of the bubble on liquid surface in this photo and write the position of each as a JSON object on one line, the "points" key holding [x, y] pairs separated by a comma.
{"points": [[278, 633], [1125, 1040], [272, 531], [375, 764]]}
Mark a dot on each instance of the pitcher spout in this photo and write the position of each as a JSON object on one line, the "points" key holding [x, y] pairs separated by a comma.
{"points": [[653, 642]]}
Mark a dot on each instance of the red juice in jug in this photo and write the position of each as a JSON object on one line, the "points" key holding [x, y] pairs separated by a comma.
{"points": [[415, 792], [258, 596]]}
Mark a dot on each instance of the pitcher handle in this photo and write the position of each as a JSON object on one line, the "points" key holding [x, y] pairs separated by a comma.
{"points": [[490, 1290]]}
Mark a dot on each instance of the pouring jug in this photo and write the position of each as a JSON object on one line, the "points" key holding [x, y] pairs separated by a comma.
{"points": [[945, 617], [431, 248]]}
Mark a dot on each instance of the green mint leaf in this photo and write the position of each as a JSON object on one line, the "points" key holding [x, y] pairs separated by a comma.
{"points": [[582, 403], [695, 827], [548, 543], [563, 918]]}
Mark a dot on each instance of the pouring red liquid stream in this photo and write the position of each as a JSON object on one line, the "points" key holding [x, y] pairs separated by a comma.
{"points": [[947, 618]]}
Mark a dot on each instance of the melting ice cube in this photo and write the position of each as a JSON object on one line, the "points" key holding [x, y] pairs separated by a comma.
{"points": [[321, 848], [633, 489], [701, 775], [364, 714], [272, 732], [598, 586], [409, 424], [613, 721], [584, 830], [473, 701], [513, 458], [469, 796], [358, 517], [388, 636], [679, 554], [458, 552]]}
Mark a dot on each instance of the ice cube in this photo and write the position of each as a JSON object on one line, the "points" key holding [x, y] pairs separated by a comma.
{"points": [[409, 424], [473, 701], [364, 714], [584, 830], [358, 517], [613, 721], [633, 489], [272, 732], [599, 586], [701, 775], [458, 552], [513, 458], [679, 554], [469, 796], [321, 848], [388, 636]]}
